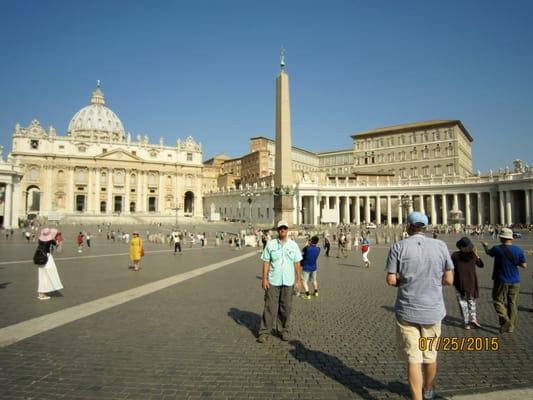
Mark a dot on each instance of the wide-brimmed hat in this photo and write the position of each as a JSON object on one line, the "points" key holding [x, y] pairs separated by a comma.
{"points": [[506, 233], [47, 234]]}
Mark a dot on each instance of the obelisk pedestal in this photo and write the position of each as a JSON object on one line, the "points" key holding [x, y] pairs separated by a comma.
{"points": [[283, 197]]}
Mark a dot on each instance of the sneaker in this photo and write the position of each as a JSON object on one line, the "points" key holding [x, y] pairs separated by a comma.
{"points": [[306, 297], [43, 297], [429, 394], [475, 323], [467, 326], [315, 294], [510, 329], [262, 338], [285, 336]]}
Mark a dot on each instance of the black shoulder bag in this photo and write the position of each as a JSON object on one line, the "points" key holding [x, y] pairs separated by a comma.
{"points": [[40, 257]]}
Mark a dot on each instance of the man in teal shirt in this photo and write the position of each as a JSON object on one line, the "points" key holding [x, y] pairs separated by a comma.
{"points": [[281, 272]]}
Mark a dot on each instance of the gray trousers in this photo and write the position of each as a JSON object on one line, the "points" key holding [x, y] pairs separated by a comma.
{"points": [[278, 303]]}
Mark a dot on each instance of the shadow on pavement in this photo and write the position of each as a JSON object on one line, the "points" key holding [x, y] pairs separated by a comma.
{"points": [[356, 381], [55, 294], [4, 285], [249, 319], [351, 265]]}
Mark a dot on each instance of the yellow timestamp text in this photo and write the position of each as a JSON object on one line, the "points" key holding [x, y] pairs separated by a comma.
{"points": [[451, 343]]}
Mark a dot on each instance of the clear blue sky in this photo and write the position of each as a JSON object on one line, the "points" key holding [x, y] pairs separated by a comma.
{"points": [[208, 68]]}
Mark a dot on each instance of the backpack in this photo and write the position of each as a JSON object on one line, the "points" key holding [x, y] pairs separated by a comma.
{"points": [[40, 257]]}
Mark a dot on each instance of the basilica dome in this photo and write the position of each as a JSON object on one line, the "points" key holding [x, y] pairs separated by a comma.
{"points": [[96, 121]]}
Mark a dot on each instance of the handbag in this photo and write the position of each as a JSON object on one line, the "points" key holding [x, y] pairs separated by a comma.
{"points": [[142, 251], [364, 248], [40, 257]]}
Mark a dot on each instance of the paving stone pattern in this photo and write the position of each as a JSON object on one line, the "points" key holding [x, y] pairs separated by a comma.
{"points": [[197, 339]]}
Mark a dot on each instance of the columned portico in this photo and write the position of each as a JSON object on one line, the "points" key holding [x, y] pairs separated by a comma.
{"points": [[389, 211], [527, 199]]}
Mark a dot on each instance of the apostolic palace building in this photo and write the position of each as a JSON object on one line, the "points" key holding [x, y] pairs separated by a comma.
{"points": [[97, 172]]}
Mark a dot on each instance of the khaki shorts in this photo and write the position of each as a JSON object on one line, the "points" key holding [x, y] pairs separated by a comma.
{"points": [[409, 335]]}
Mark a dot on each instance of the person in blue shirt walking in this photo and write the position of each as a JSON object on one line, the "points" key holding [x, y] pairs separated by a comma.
{"points": [[281, 275], [310, 254], [506, 277]]}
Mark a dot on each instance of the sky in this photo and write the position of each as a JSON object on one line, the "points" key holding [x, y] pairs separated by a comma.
{"points": [[207, 69]]}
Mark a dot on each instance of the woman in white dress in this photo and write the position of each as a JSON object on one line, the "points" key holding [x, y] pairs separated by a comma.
{"points": [[48, 277]]}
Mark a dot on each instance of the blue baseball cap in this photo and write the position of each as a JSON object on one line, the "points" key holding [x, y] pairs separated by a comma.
{"points": [[417, 218]]}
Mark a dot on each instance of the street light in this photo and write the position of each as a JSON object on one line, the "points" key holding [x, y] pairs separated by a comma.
{"points": [[406, 203], [250, 196]]}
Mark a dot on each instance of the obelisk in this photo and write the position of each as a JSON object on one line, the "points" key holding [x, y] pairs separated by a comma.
{"points": [[283, 196]]}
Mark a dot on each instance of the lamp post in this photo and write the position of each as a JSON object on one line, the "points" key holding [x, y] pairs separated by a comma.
{"points": [[406, 204], [250, 196]]}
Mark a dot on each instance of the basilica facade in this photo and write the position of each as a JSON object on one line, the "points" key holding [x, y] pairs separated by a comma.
{"points": [[99, 170]]}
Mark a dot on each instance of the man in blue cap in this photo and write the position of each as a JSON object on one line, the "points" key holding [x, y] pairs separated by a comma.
{"points": [[419, 266]]}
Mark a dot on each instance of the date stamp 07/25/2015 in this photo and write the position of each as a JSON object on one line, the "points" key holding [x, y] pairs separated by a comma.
{"points": [[451, 343]]}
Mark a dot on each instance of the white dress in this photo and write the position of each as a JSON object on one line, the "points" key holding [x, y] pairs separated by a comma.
{"points": [[48, 277]]}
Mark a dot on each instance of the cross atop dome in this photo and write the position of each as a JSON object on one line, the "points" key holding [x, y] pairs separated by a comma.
{"points": [[282, 59], [98, 95]]}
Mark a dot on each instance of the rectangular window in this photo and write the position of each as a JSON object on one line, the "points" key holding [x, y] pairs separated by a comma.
{"points": [[189, 156], [104, 150], [151, 204]]}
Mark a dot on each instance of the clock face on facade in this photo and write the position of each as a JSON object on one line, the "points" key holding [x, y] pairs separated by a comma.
{"points": [[34, 144]]}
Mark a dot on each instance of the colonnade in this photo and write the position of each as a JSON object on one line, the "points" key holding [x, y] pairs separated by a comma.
{"points": [[504, 207]]}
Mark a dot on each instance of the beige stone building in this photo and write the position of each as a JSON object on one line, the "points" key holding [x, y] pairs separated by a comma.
{"points": [[96, 169], [432, 148]]}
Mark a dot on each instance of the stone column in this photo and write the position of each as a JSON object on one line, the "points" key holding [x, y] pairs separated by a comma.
{"points": [[367, 209], [480, 209], [411, 204], [346, 209], [444, 210], [299, 214], [509, 207], [16, 204], [492, 208], [138, 207], [97, 191], [501, 196], [433, 210], [90, 191], [527, 199], [422, 207], [455, 205], [8, 206], [161, 194], [400, 210], [47, 193], [468, 210], [69, 207], [110, 191], [378, 210], [357, 210], [316, 210], [126, 207], [389, 211]]}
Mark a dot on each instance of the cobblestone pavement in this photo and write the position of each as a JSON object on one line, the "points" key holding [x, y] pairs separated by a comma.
{"points": [[197, 339]]}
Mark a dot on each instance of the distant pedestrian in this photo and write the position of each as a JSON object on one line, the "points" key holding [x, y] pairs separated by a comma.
{"points": [[465, 280], [79, 240], [27, 235], [59, 242], [177, 241], [309, 263], [281, 275], [48, 277], [327, 245], [88, 239], [506, 277], [136, 251], [419, 266], [365, 249]]}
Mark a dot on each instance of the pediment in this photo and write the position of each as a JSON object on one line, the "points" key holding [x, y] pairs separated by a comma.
{"points": [[119, 155]]}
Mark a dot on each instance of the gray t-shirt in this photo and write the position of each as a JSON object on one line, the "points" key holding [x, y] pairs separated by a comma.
{"points": [[420, 263]]}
